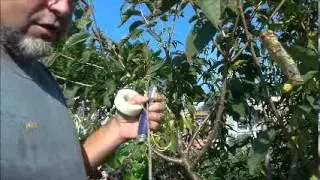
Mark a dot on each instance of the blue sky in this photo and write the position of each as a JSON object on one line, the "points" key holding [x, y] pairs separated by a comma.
{"points": [[108, 18]]}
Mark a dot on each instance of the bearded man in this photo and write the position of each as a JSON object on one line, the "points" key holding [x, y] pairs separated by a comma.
{"points": [[38, 138]]}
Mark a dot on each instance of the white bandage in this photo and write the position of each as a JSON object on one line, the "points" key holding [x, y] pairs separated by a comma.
{"points": [[122, 104]]}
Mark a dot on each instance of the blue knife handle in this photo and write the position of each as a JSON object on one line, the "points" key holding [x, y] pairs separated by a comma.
{"points": [[143, 126], [143, 118]]}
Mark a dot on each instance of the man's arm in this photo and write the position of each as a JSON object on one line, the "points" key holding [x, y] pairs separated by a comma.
{"points": [[108, 137], [101, 144]]}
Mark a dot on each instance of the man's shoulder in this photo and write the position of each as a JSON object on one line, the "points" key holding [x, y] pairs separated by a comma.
{"points": [[53, 82], [22, 71], [37, 133]]}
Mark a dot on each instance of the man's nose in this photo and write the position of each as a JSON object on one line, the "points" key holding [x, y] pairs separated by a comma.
{"points": [[62, 8]]}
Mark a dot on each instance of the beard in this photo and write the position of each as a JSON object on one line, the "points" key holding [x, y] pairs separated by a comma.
{"points": [[23, 47]]}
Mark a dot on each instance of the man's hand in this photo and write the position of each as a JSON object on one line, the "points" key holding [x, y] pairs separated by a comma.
{"points": [[128, 126], [120, 129]]}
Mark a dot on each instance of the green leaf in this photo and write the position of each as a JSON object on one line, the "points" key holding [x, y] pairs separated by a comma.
{"points": [[187, 123], [262, 142], [237, 64], [310, 99], [302, 53], [212, 10], [77, 38], [307, 57], [155, 67], [178, 60], [49, 61], [255, 162], [305, 108], [135, 33], [260, 146], [199, 38], [113, 160], [239, 108], [155, 35], [134, 25], [86, 55], [312, 102], [84, 22], [127, 14], [166, 5], [231, 4], [309, 75]]}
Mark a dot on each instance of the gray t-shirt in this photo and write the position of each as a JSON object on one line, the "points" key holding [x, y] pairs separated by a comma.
{"points": [[38, 137]]}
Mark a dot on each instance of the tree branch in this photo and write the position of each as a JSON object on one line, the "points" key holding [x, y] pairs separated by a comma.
{"points": [[216, 126], [89, 64], [167, 158], [195, 134], [75, 82], [84, 3], [256, 60], [239, 52], [167, 48], [276, 10], [97, 33], [192, 175]]}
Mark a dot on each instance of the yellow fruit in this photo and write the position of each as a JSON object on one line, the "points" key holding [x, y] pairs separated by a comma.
{"points": [[314, 177], [287, 87]]}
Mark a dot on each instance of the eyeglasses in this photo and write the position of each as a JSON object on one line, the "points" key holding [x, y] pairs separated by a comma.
{"points": [[72, 2]]}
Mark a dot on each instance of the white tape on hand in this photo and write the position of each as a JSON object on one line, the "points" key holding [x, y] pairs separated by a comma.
{"points": [[122, 104]]}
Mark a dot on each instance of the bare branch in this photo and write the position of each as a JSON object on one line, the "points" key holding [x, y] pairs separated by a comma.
{"points": [[86, 63], [216, 126], [239, 52], [256, 60], [235, 25], [95, 30], [276, 10], [219, 48], [248, 34], [84, 3], [167, 158], [167, 48], [195, 134], [75, 82], [192, 175]]}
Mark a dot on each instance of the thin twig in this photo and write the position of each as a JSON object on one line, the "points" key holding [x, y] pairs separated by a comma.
{"points": [[248, 34], [239, 52], [195, 134], [144, 17], [276, 10], [86, 63], [85, 3], [167, 48], [235, 25], [218, 47], [96, 28], [319, 35], [254, 11], [149, 149], [167, 158], [75, 82]]}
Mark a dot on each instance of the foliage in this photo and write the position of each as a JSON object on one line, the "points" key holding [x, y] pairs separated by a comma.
{"points": [[224, 64]]}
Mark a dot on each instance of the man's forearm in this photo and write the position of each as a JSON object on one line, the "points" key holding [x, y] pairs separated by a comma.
{"points": [[101, 144]]}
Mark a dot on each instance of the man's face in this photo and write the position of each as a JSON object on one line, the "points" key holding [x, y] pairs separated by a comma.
{"points": [[44, 19]]}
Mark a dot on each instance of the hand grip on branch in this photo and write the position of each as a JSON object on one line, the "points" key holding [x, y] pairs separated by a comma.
{"points": [[282, 58]]}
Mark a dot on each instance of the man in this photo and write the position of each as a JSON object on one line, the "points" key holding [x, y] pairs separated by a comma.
{"points": [[38, 139]]}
